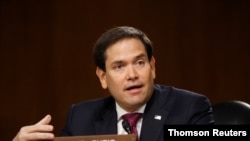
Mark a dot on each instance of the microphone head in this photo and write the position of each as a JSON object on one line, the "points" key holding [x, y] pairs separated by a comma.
{"points": [[126, 126]]}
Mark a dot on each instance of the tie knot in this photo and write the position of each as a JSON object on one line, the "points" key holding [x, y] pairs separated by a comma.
{"points": [[132, 118]]}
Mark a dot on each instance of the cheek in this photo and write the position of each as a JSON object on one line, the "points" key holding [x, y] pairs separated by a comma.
{"points": [[152, 74], [114, 87], [114, 81], [149, 74]]}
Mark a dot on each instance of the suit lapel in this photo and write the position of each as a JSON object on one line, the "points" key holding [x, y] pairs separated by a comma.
{"points": [[154, 117]]}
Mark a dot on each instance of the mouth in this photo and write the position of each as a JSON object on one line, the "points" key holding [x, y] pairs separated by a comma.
{"points": [[134, 88]]}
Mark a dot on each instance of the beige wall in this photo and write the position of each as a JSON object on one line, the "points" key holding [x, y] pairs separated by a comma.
{"points": [[46, 51]]}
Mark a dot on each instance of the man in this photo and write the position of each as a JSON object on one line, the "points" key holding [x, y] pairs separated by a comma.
{"points": [[126, 67]]}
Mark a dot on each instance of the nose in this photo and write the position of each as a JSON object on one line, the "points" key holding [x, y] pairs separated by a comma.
{"points": [[132, 73]]}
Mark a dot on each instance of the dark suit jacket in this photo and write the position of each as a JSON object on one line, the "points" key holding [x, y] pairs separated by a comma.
{"points": [[175, 106]]}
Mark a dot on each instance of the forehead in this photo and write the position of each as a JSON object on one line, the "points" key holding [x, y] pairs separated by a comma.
{"points": [[125, 48]]}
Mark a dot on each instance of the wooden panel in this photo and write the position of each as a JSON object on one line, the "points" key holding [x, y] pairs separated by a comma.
{"points": [[46, 52]]}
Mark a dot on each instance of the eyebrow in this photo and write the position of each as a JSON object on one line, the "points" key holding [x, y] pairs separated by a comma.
{"points": [[140, 56], [137, 57]]}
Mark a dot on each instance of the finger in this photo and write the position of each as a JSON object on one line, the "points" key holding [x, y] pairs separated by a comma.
{"points": [[45, 120], [39, 131], [34, 136], [36, 128], [41, 126]]}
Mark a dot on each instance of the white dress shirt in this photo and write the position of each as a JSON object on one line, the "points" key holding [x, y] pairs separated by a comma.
{"points": [[120, 112]]}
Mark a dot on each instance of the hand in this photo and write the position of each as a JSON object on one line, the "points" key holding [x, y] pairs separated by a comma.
{"points": [[39, 131]]}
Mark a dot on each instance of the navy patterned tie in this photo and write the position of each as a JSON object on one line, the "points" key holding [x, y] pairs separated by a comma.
{"points": [[132, 119]]}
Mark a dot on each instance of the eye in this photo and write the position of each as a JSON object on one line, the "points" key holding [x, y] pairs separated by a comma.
{"points": [[118, 67], [140, 63]]}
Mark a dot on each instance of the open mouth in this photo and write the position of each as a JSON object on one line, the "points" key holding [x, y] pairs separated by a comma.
{"points": [[134, 88]]}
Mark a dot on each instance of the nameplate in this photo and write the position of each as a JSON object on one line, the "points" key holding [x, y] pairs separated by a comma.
{"points": [[129, 137]]}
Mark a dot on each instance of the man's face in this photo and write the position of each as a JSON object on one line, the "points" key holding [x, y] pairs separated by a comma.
{"points": [[129, 74]]}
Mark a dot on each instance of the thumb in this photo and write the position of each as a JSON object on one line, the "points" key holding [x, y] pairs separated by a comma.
{"points": [[45, 120]]}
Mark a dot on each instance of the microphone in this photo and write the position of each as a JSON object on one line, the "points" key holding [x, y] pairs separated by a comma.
{"points": [[126, 126]]}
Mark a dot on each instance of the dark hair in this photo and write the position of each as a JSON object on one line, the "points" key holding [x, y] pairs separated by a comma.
{"points": [[115, 34]]}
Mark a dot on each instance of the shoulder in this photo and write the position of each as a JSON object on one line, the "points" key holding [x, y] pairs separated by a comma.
{"points": [[179, 96], [183, 106], [176, 92], [94, 104]]}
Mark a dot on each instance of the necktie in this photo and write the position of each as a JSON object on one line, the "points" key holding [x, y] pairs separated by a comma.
{"points": [[132, 119]]}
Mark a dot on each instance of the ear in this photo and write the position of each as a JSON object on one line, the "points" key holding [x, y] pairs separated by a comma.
{"points": [[152, 65], [102, 77]]}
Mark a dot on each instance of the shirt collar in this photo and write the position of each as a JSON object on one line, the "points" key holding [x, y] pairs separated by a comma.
{"points": [[120, 111]]}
